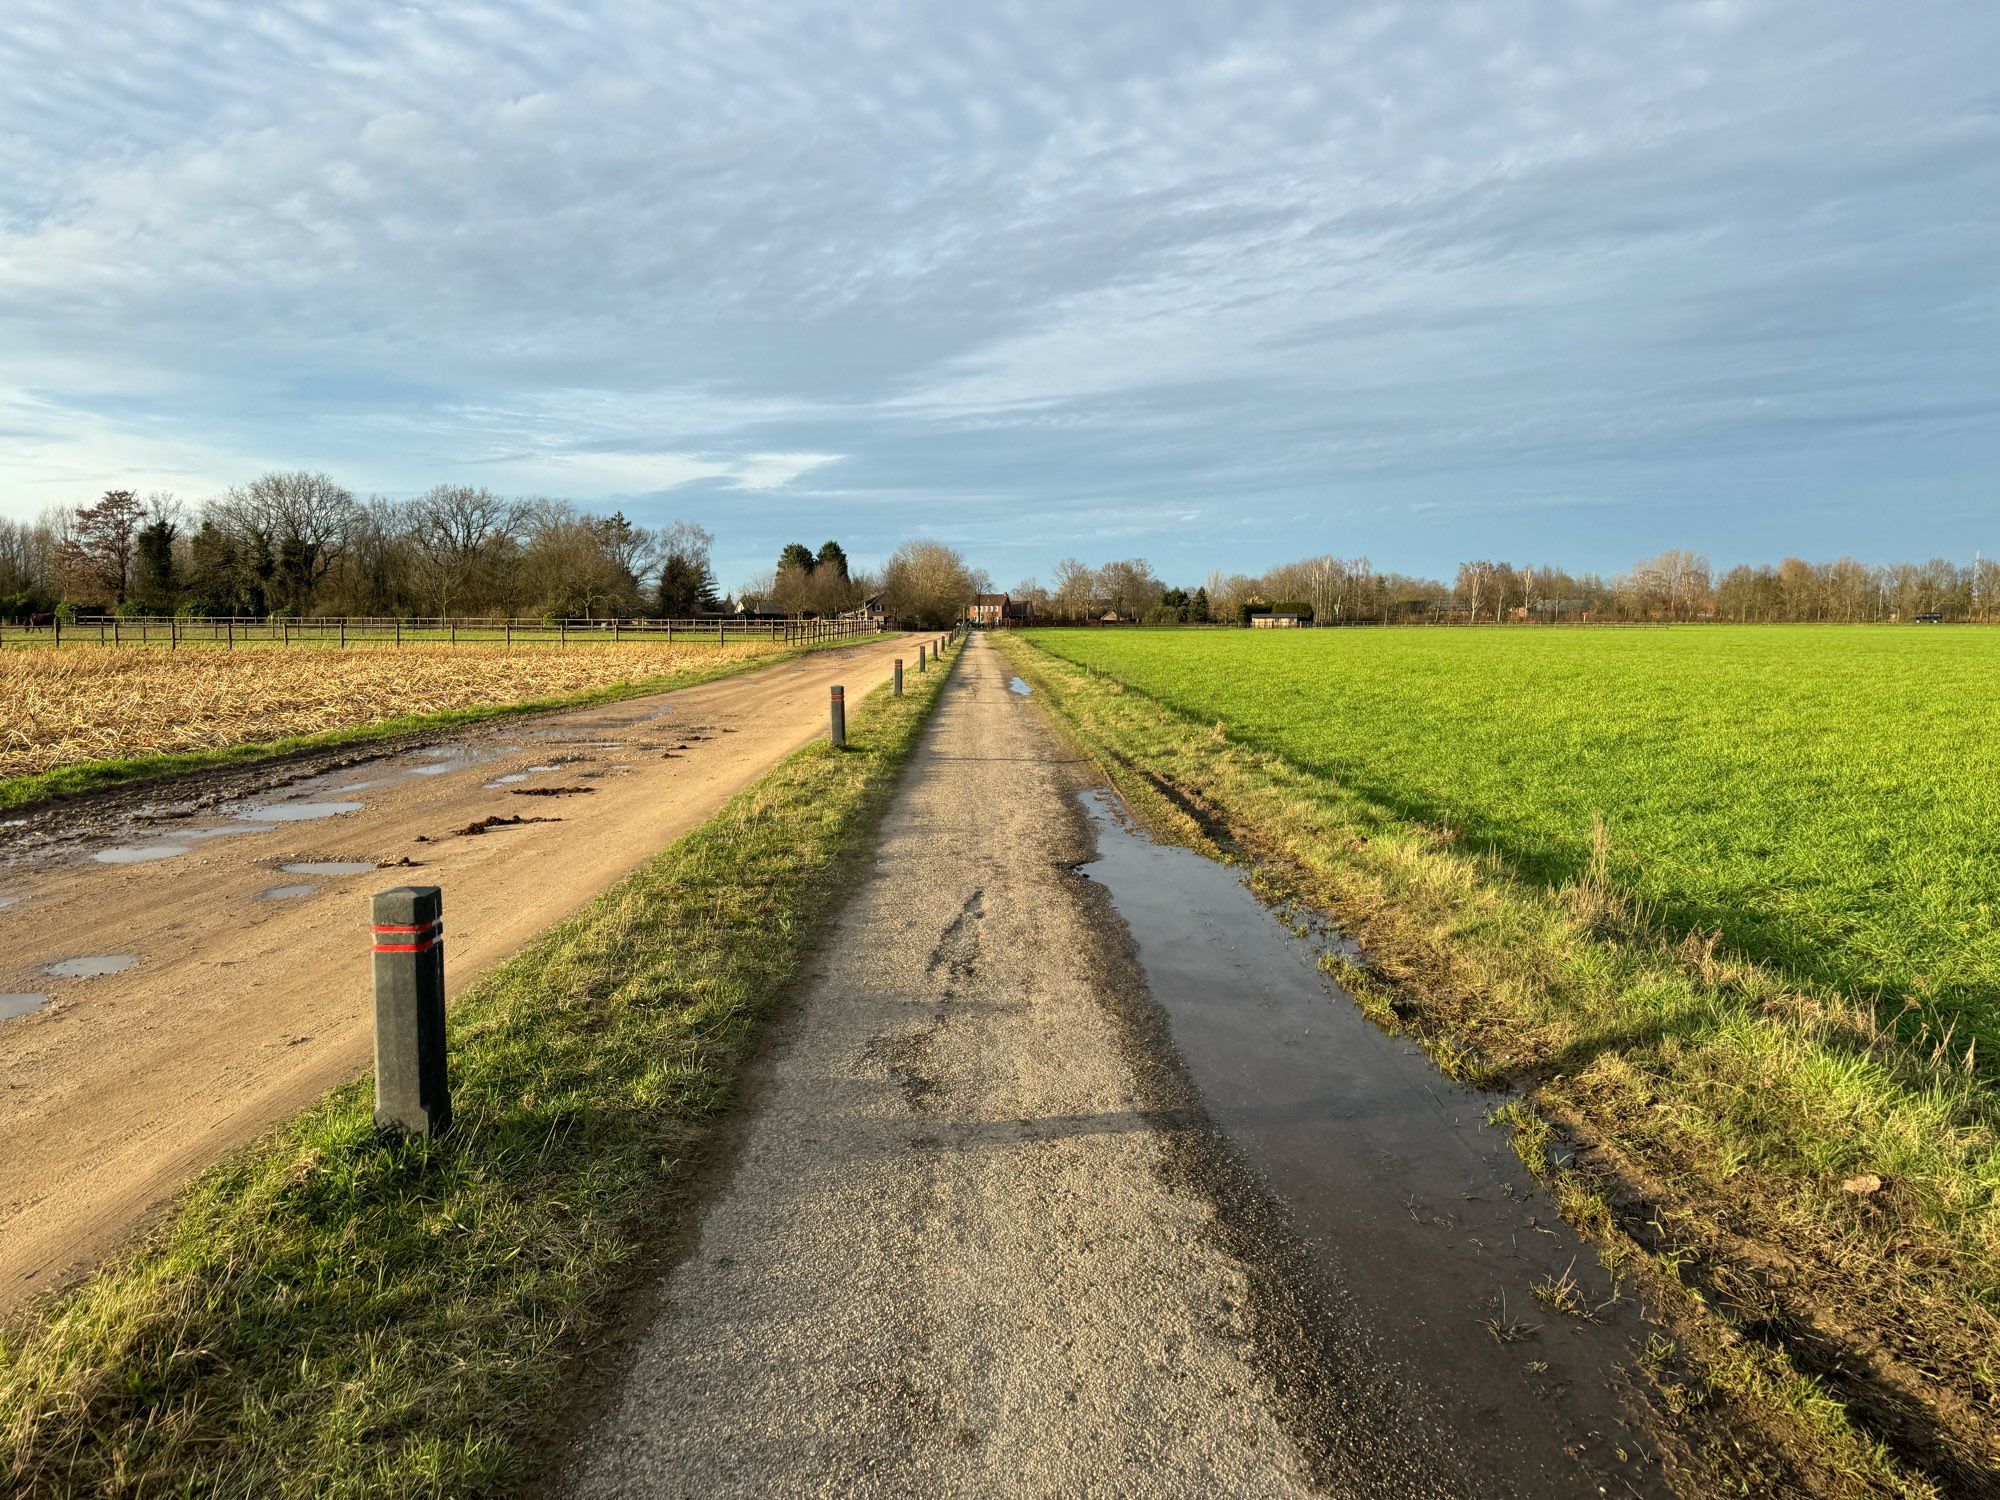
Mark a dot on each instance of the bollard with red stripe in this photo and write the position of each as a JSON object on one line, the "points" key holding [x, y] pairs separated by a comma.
{"points": [[837, 717], [412, 1093]]}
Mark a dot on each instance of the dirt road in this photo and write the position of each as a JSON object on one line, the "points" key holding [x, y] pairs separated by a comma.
{"points": [[203, 988], [981, 1238]]}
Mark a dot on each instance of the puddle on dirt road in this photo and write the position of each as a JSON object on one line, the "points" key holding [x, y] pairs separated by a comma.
{"points": [[227, 831], [285, 892], [296, 812], [1415, 1217], [138, 854], [1016, 685], [326, 867], [93, 967], [20, 1005], [514, 778]]}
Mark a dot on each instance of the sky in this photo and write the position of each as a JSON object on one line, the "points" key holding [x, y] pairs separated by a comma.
{"points": [[1219, 285]]}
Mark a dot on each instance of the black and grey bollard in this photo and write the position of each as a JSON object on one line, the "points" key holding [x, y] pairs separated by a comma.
{"points": [[899, 677], [412, 1093], [837, 717]]}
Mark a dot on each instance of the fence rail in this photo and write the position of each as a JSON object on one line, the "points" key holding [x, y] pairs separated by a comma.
{"points": [[230, 631]]}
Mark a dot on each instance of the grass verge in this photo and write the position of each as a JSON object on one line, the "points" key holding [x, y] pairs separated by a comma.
{"points": [[335, 1313], [1811, 1200], [95, 775]]}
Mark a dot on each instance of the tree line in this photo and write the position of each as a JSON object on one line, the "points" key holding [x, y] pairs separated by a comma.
{"points": [[299, 543], [1675, 585]]}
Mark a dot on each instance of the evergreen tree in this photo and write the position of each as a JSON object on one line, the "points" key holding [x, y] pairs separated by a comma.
{"points": [[154, 584]]}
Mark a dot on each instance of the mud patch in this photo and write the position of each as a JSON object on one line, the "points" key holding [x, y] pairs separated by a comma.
{"points": [[12, 1006], [552, 791], [328, 867], [471, 830]]}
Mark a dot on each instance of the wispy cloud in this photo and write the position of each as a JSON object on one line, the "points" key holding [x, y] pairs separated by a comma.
{"points": [[1166, 277]]}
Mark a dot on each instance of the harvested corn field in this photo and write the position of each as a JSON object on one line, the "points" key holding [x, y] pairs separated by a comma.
{"points": [[70, 707]]}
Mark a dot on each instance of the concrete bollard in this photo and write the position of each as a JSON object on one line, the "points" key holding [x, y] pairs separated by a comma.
{"points": [[412, 1093], [899, 677], [837, 717]]}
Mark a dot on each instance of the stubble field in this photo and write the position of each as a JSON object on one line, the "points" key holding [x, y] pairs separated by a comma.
{"points": [[78, 705]]}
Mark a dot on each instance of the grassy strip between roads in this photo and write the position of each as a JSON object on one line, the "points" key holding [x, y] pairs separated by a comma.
{"points": [[334, 1313], [1809, 1201], [90, 776]]}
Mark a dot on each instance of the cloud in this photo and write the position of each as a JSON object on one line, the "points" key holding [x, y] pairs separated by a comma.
{"points": [[1125, 275]]}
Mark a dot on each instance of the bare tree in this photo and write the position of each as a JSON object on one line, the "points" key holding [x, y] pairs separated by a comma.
{"points": [[1074, 596], [461, 537], [292, 528], [928, 584]]}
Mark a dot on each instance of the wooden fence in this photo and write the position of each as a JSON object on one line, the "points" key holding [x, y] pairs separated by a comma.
{"points": [[230, 631]]}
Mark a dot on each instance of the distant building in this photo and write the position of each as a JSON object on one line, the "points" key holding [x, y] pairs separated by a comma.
{"points": [[1274, 622], [988, 610]]}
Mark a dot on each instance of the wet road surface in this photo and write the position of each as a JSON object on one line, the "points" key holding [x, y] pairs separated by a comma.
{"points": [[183, 968]]}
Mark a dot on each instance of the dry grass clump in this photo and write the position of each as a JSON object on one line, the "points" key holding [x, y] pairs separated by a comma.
{"points": [[74, 705]]}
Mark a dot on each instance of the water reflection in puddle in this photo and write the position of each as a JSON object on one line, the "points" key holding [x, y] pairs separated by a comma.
{"points": [[513, 778], [286, 892], [138, 854], [91, 968], [1016, 685], [328, 867], [297, 812], [20, 1005], [1418, 1221]]}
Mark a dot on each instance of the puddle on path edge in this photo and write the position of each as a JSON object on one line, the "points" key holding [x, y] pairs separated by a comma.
{"points": [[1421, 1227]]}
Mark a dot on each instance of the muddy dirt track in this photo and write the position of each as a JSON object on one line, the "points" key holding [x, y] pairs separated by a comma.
{"points": [[997, 1221], [203, 951]]}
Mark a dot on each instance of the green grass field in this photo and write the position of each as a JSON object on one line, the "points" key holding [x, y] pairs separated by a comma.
{"points": [[1751, 1036], [1827, 798]]}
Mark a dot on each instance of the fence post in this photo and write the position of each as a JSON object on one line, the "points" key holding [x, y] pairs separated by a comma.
{"points": [[899, 677], [837, 714], [232, 632], [343, 632], [920, 658], [412, 1093], [58, 624]]}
